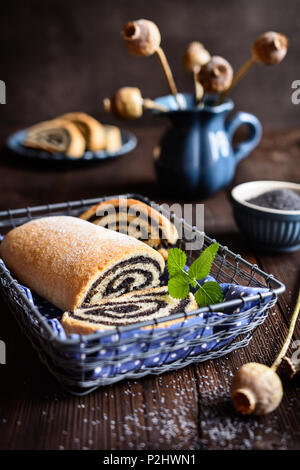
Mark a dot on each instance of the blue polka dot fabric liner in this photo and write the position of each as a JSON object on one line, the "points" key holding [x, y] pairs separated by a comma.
{"points": [[138, 349]]}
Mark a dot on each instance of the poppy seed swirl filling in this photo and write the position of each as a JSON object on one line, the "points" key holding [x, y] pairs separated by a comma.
{"points": [[136, 219], [121, 314], [56, 136], [128, 309], [135, 273], [138, 225]]}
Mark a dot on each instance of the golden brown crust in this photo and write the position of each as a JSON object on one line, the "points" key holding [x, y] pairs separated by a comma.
{"points": [[82, 327], [113, 138], [168, 228], [164, 253], [91, 129], [71, 326], [60, 257], [75, 146]]}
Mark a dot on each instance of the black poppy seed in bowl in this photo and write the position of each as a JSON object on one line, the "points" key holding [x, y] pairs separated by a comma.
{"points": [[281, 199]]}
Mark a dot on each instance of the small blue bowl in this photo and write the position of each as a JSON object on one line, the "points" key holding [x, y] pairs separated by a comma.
{"points": [[270, 229]]}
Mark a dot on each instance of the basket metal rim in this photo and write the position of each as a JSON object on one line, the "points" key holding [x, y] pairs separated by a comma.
{"points": [[278, 288]]}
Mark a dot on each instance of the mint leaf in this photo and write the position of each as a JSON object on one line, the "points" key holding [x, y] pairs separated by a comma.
{"points": [[178, 286], [180, 281], [201, 267], [212, 249], [192, 281], [176, 261], [209, 293]]}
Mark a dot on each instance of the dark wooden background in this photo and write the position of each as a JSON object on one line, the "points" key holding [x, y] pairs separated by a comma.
{"points": [[63, 55], [59, 56]]}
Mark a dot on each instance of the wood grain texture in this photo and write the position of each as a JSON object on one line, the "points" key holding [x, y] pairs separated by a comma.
{"points": [[187, 409]]}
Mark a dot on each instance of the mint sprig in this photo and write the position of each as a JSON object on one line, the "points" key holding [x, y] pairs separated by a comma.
{"points": [[181, 279]]}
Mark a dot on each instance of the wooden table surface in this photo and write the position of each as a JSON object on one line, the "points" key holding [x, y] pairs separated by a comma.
{"points": [[188, 409]]}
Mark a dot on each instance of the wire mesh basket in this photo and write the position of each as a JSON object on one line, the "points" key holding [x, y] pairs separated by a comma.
{"points": [[83, 363]]}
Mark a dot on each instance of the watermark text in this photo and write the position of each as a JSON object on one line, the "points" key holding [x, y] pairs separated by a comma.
{"points": [[2, 92], [2, 352]]}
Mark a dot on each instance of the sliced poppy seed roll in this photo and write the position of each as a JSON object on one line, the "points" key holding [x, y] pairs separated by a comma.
{"points": [[136, 219], [71, 262], [56, 136], [126, 310], [90, 128], [113, 138]]}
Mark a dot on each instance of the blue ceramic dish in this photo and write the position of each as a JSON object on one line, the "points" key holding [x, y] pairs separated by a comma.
{"points": [[15, 144], [270, 229]]}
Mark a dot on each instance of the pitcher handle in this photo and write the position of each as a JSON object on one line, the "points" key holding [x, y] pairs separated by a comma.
{"points": [[244, 148]]}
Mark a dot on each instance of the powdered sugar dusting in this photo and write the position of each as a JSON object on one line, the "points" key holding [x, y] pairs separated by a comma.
{"points": [[60, 256]]}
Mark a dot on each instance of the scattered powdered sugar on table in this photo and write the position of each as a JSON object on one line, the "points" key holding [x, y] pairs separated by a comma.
{"points": [[188, 409], [164, 416]]}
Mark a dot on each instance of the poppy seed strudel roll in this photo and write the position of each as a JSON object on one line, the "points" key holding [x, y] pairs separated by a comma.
{"points": [[56, 136], [71, 262], [113, 138], [90, 128], [128, 309], [137, 219]]}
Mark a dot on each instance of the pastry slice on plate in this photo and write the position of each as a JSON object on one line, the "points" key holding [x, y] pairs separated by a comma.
{"points": [[128, 309], [137, 219], [113, 138], [56, 136], [91, 129]]}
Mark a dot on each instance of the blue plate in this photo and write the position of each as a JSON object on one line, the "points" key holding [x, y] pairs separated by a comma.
{"points": [[15, 143]]}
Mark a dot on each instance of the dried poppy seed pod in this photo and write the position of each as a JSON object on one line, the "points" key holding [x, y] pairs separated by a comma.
{"points": [[256, 389], [289, 368], [195, 56], [128, 103], [216, 75], [142, 37], [270, 48]]}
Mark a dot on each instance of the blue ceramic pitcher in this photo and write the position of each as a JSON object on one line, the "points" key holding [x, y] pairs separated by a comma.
{"points": [[195, 155]]}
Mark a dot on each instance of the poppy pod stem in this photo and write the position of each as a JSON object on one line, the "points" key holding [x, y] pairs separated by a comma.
{"points": [[168, 73], [256, 388], [236, 78], [199, 92], [240, 73], [194, 58], [244, 69], [286, 344], [150, 104]]}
